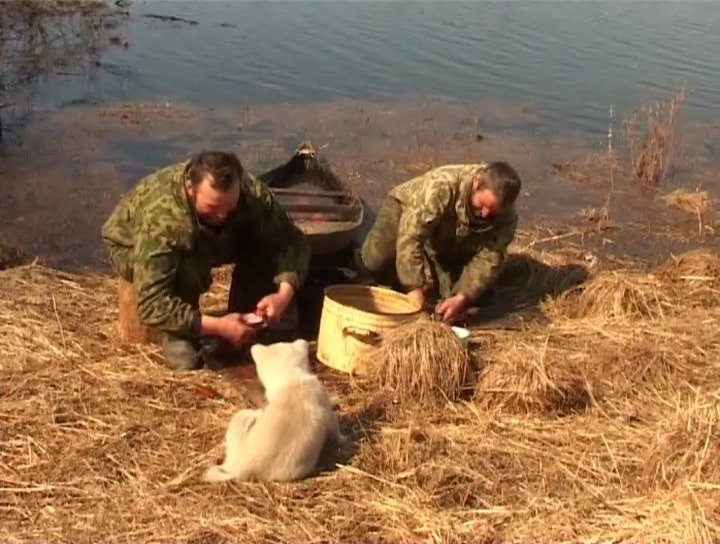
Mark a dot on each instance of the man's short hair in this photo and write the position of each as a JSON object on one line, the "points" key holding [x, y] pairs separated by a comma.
{"points": [[503, 180], [224, 167]]}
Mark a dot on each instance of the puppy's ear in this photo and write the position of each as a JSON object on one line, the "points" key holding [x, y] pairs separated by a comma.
{"points": [[258, 352], [300, 346]]}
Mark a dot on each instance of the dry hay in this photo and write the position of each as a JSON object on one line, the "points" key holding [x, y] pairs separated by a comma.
{"points": [[519, 378], [687, 443], [612, 295], [102, 442], [422, 362], [693, 278], [699, 266], [622, 332], [572, 365], [695, 202]]}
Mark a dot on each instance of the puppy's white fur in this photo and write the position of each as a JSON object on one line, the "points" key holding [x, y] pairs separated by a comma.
{"points": [[283, 441]]}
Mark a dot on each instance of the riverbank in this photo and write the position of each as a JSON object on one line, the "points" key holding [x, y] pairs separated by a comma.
{"points": [[599, 421]]}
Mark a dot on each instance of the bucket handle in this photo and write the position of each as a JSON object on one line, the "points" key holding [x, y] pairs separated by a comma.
{"points": [[362, 334]]}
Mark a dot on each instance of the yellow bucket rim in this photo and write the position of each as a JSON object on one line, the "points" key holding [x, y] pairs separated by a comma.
{"points": [[329, 291]]}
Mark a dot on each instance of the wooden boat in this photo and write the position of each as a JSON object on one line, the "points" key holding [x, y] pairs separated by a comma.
{"points": [[324, 206]]}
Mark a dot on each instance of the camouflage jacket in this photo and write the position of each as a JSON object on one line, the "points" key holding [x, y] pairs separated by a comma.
{"points": [[156, 227], [437, 219]]}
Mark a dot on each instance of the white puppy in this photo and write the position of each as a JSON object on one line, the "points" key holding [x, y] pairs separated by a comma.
{"points": [[283, 441]]}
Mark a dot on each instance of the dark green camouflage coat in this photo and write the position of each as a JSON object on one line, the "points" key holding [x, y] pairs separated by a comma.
{"points": [[156, 242], [437, 218]]}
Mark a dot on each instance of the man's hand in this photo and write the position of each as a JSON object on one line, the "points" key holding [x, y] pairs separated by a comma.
{"points": [[231, 327], [418, 296], [272, 307], [452, 308]]}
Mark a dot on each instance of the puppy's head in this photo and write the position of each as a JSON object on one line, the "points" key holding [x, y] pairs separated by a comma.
{"points": [[280, 363]]}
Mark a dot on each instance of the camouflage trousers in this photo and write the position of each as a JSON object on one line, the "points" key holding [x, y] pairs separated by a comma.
{"points": [[378, 256], [193, 278]]}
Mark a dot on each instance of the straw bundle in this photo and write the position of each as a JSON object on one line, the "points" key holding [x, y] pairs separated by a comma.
{"points": [[695, 268], [612, 295], [520, 379], [422, 362]]}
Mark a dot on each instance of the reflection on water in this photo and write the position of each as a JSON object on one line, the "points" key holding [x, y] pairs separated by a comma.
{"points": [[41, 42]]}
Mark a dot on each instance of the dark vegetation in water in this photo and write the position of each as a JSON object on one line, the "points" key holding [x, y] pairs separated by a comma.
{"points": [[41, 38], [654, 140], [11, 256]]}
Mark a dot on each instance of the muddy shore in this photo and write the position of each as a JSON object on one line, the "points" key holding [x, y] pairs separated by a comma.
{"points": [[66, 167]]}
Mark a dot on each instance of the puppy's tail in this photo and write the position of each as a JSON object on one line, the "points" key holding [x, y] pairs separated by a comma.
{"points": [[217, 473]]}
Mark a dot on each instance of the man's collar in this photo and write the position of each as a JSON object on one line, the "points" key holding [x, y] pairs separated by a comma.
{"points": [[179, 190], [463, 206]]}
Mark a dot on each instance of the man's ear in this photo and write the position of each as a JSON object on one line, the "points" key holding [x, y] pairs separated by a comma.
{"points": [[477, 182]]}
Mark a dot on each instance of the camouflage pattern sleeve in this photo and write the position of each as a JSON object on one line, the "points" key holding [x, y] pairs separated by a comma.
{"points": [[154, 274], [416, 225], [484, 267], [282, 242]]}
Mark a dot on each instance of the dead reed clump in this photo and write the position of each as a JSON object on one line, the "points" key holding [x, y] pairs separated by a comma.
{"points": [[693, 268], [695, 202], [612, 295], [11, 256], [653, 140], [422, 362], [693, 278]]}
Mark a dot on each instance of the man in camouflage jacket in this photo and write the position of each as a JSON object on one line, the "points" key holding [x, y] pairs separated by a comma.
{"points": [[176, 224], [445, 234]]}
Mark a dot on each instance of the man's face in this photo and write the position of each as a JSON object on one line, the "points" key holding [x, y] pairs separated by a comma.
{"points": [[212, 205], [484, 201]]}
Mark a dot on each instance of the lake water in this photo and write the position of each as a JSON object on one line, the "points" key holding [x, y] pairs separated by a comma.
{"points": [[570, 61], [537, 79]]}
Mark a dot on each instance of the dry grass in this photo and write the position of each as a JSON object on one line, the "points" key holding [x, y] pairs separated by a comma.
{"points": [[599, 425], [695, 202], [611, 295], [422, 362], [700, 266], [652, 136]]}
